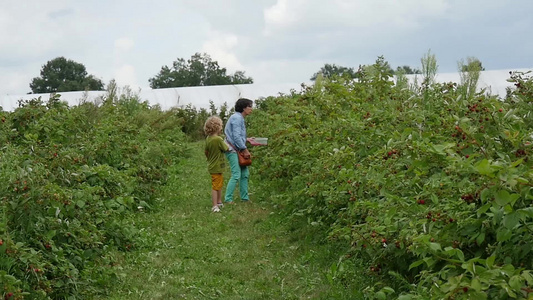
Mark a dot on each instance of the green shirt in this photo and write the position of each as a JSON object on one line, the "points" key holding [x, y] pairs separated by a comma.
{"points": [[214, 151]]}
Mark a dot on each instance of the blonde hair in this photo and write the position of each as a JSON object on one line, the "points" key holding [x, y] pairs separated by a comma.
{"points": [[213, 125]]}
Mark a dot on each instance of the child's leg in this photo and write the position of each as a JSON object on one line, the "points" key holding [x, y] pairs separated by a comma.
{"points": [[216, 189], [219, 192], [215, 197], [219, 197]]}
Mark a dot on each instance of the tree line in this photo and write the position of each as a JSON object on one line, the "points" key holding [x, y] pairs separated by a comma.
{"points": [[65, 75]]}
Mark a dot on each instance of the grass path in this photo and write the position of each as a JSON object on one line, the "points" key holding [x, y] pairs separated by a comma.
{"points": [[244, 252]]}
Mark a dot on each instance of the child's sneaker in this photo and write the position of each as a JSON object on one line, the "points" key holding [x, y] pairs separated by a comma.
{"points": [[215, 209], [220, 205]]}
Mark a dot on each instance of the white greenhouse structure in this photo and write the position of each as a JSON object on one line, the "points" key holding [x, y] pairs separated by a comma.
{"points": [[495, 82]]}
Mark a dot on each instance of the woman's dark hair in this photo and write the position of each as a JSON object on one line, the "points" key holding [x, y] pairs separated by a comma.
{"points": [[243, 103]]}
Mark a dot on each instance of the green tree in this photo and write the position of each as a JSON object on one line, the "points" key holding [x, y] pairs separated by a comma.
{"points": [[471, 64], [199, 70], [64, 75], [469, 72], [408, 70], [330, 70]]}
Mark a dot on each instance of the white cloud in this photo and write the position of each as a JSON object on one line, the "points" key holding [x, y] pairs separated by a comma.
{"points": [[126, 75], [271, 40], [283, 14], [317, 15], [15, 81], [220, 48], [19, 32], [283, 71], [124, 44]]}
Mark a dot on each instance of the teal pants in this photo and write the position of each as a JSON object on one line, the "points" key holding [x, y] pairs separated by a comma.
{"points": [[238, 175]]}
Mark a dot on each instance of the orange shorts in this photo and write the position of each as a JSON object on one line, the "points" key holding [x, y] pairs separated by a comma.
{"points": [[216, 181]]}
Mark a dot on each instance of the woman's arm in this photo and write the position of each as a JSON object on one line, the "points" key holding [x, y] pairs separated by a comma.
{"points": [[239, 134]]}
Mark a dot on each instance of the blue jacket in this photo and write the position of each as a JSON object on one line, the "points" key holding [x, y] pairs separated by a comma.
{"points": [[235, 132]]}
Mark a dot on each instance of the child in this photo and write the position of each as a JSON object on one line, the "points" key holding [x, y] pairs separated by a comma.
{"points": [[215, 147]]}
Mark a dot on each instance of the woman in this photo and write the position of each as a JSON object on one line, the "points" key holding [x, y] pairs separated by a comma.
{"points": [[235, 132]]}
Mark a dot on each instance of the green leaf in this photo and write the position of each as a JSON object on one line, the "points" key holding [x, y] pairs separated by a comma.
{"points": [[516, 163], [475, 284], [511, 220], [527, 276], [416, 264], [440, 148], [435, 246], [485, 194], [480, 238], [522, 180], [469, 265], [503, 197], [460, 254], [508, 209], [429, 261], [477, 295], [50, 234], [503, 234], [483, 209], [484, 168], [516, 282], [80, 203], [490, 261], [380, 295]]}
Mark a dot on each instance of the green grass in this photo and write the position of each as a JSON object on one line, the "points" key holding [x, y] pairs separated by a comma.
{"points": [[244, 252]]}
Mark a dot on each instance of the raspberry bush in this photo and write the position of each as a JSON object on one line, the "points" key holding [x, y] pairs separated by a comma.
{"points": [[71, 178], [433, 189]]}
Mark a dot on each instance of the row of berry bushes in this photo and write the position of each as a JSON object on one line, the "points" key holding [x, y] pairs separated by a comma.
{"points": [[71, 179], [430, 184]]}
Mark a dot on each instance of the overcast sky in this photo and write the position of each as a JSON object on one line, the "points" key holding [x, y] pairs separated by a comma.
{"points": [[273, 41]]}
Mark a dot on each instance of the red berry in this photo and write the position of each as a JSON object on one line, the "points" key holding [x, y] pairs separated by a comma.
{"points": [[465, 289], [384, 241], [467, 156], [421, 201]]}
